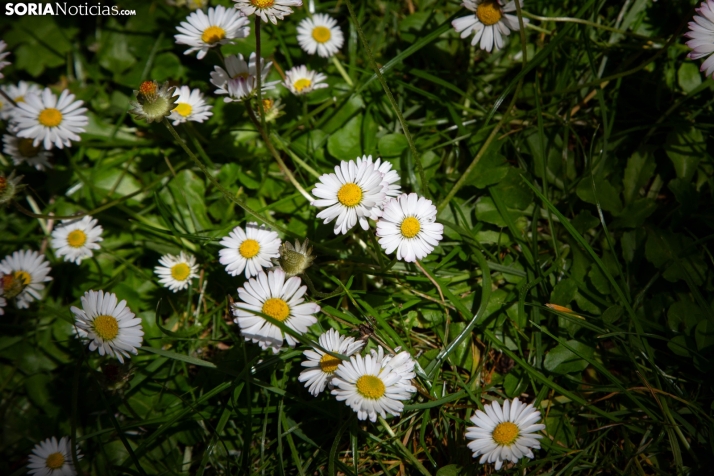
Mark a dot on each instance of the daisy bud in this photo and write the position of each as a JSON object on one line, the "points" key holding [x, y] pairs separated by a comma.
{"points": [[9, 186], [296, 259], [154, 101]]}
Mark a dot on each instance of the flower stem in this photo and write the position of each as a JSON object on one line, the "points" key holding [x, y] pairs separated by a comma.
{"points": [[342, 71], [259, 73]]}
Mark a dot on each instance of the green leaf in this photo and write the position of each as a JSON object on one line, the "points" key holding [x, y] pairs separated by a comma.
{"points": [[564, 292], [486, 211], [635, 213], [461, 356], [704, 335], [513, 191], [490, 170], [562, 360], [640, 167], [167, 66], [345, 144], [449, 470], [392, 145], [605, 194], [186, 193], [688, 76], [685, 148], [613, 314], [684, 315], [679, 345]]}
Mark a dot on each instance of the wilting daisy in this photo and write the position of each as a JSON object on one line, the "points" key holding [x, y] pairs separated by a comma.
{"points": [[272, 109], [701, 32], [320, 365], [9, 186], [351, 193], [296, 259], [23, 274], [190, 106], [75, 239], [391, 177], [49, 120], [239, 80], [176, 272], [53, 458], [249, 250], [17, 94], [300, 80], [280, 299], [4, 54], [153, 101], [370, 388], [504, 434], [110, 327], [489, 23], [22, 151], [220, 26], [320, 34], [272, 10], [407, 225]]}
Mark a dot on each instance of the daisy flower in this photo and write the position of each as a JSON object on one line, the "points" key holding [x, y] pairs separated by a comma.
{"points": [[701, 32], [272, 109], [351, 194], [489, 23], [110, 327], [201, 31], [272, 10], [4, 53], [320, 34], [402, 363], [504, 434], [190, 106], [320, 365], [23, 274], [280, 299], [52, 458], [371, 388], [249, 250], [238, 81], [49, 120], [391, 177], [300, 80], [407, 225], [22, 151], [296, 259], [75, 239], [9, 186], [177, 272], [153, 101], [17, 94]]}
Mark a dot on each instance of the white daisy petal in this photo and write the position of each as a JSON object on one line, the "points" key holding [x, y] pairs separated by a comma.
{"points": [[203, 31], [23, 275], [3, 55], [52, 458], [408, 226], [322, 366], [190, 106], [75, 240], [320, 34], [489, 23], [250, 250], [176, 272], [238, 80], [701, 34], [300, 80], [268, 10]]}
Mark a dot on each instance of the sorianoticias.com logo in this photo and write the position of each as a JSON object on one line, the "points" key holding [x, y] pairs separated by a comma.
{"points": [[63, 8]]}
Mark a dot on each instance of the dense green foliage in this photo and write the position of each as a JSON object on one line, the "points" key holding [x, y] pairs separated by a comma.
{"points": [[572, 170]]}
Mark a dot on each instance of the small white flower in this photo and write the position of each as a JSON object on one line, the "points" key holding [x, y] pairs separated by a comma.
{"points": [[402, 363], [202, 31], [190, 106], [52, 458], [153, 101], [489, 23], [75, 239], [354, 192], [17, 94], [272, 10], [320, 34], [320, 365], [23, 274], [249, 250], [389, 182], [22, 151], [506, 434], [4, 54], [701, 32], [110, 327], [177, 272], [239, 81], [407, 225], [49, 120], [280, 299], [300, 80], [371, 387]]}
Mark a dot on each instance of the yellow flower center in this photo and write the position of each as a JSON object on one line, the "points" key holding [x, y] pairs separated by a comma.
{"points": [[267, 104], [20, 99], [329, 364], [76, 238], [24, 277], [350, 194], [301, 84], [410, 227], [321, 34], [370, 386], [26, 149], [276, 308], [249, 248], [50, 117], [262, 3], [148, 89], [184, 109], [213, 34], [180, 271], [241, 76], [55, 461], [489, 12], [106, 327], [505, 433]]}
